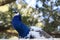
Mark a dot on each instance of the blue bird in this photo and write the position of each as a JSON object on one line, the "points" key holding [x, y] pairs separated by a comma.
{"points": [[25, 31], [17, 23]]}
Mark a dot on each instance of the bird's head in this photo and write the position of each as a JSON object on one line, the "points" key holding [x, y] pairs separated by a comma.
{"points": [[16, 14], [14, 10]]}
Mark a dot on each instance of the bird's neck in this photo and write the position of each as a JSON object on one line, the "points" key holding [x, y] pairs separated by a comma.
{"points": [[16, 14]]}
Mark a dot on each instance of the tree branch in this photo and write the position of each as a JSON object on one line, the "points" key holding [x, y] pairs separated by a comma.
{"points": [[3, 2]]}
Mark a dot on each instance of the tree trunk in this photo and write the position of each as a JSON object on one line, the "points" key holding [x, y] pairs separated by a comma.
{"points": [[3, 2]]}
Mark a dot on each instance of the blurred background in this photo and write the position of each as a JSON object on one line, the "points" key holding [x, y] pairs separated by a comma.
{"points": [[39, 13]]}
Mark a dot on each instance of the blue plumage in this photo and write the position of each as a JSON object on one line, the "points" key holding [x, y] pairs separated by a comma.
{"points": [[21, 28]]}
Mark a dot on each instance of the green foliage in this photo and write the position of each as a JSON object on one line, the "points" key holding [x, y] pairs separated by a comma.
{"points": [[28, 19]]}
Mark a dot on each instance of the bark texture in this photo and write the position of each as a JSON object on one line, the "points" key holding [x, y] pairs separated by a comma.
{"points": [[3, 2]]}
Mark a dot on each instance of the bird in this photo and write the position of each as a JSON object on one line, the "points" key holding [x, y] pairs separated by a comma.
{"points": [[27, 32], [17, 23]]}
